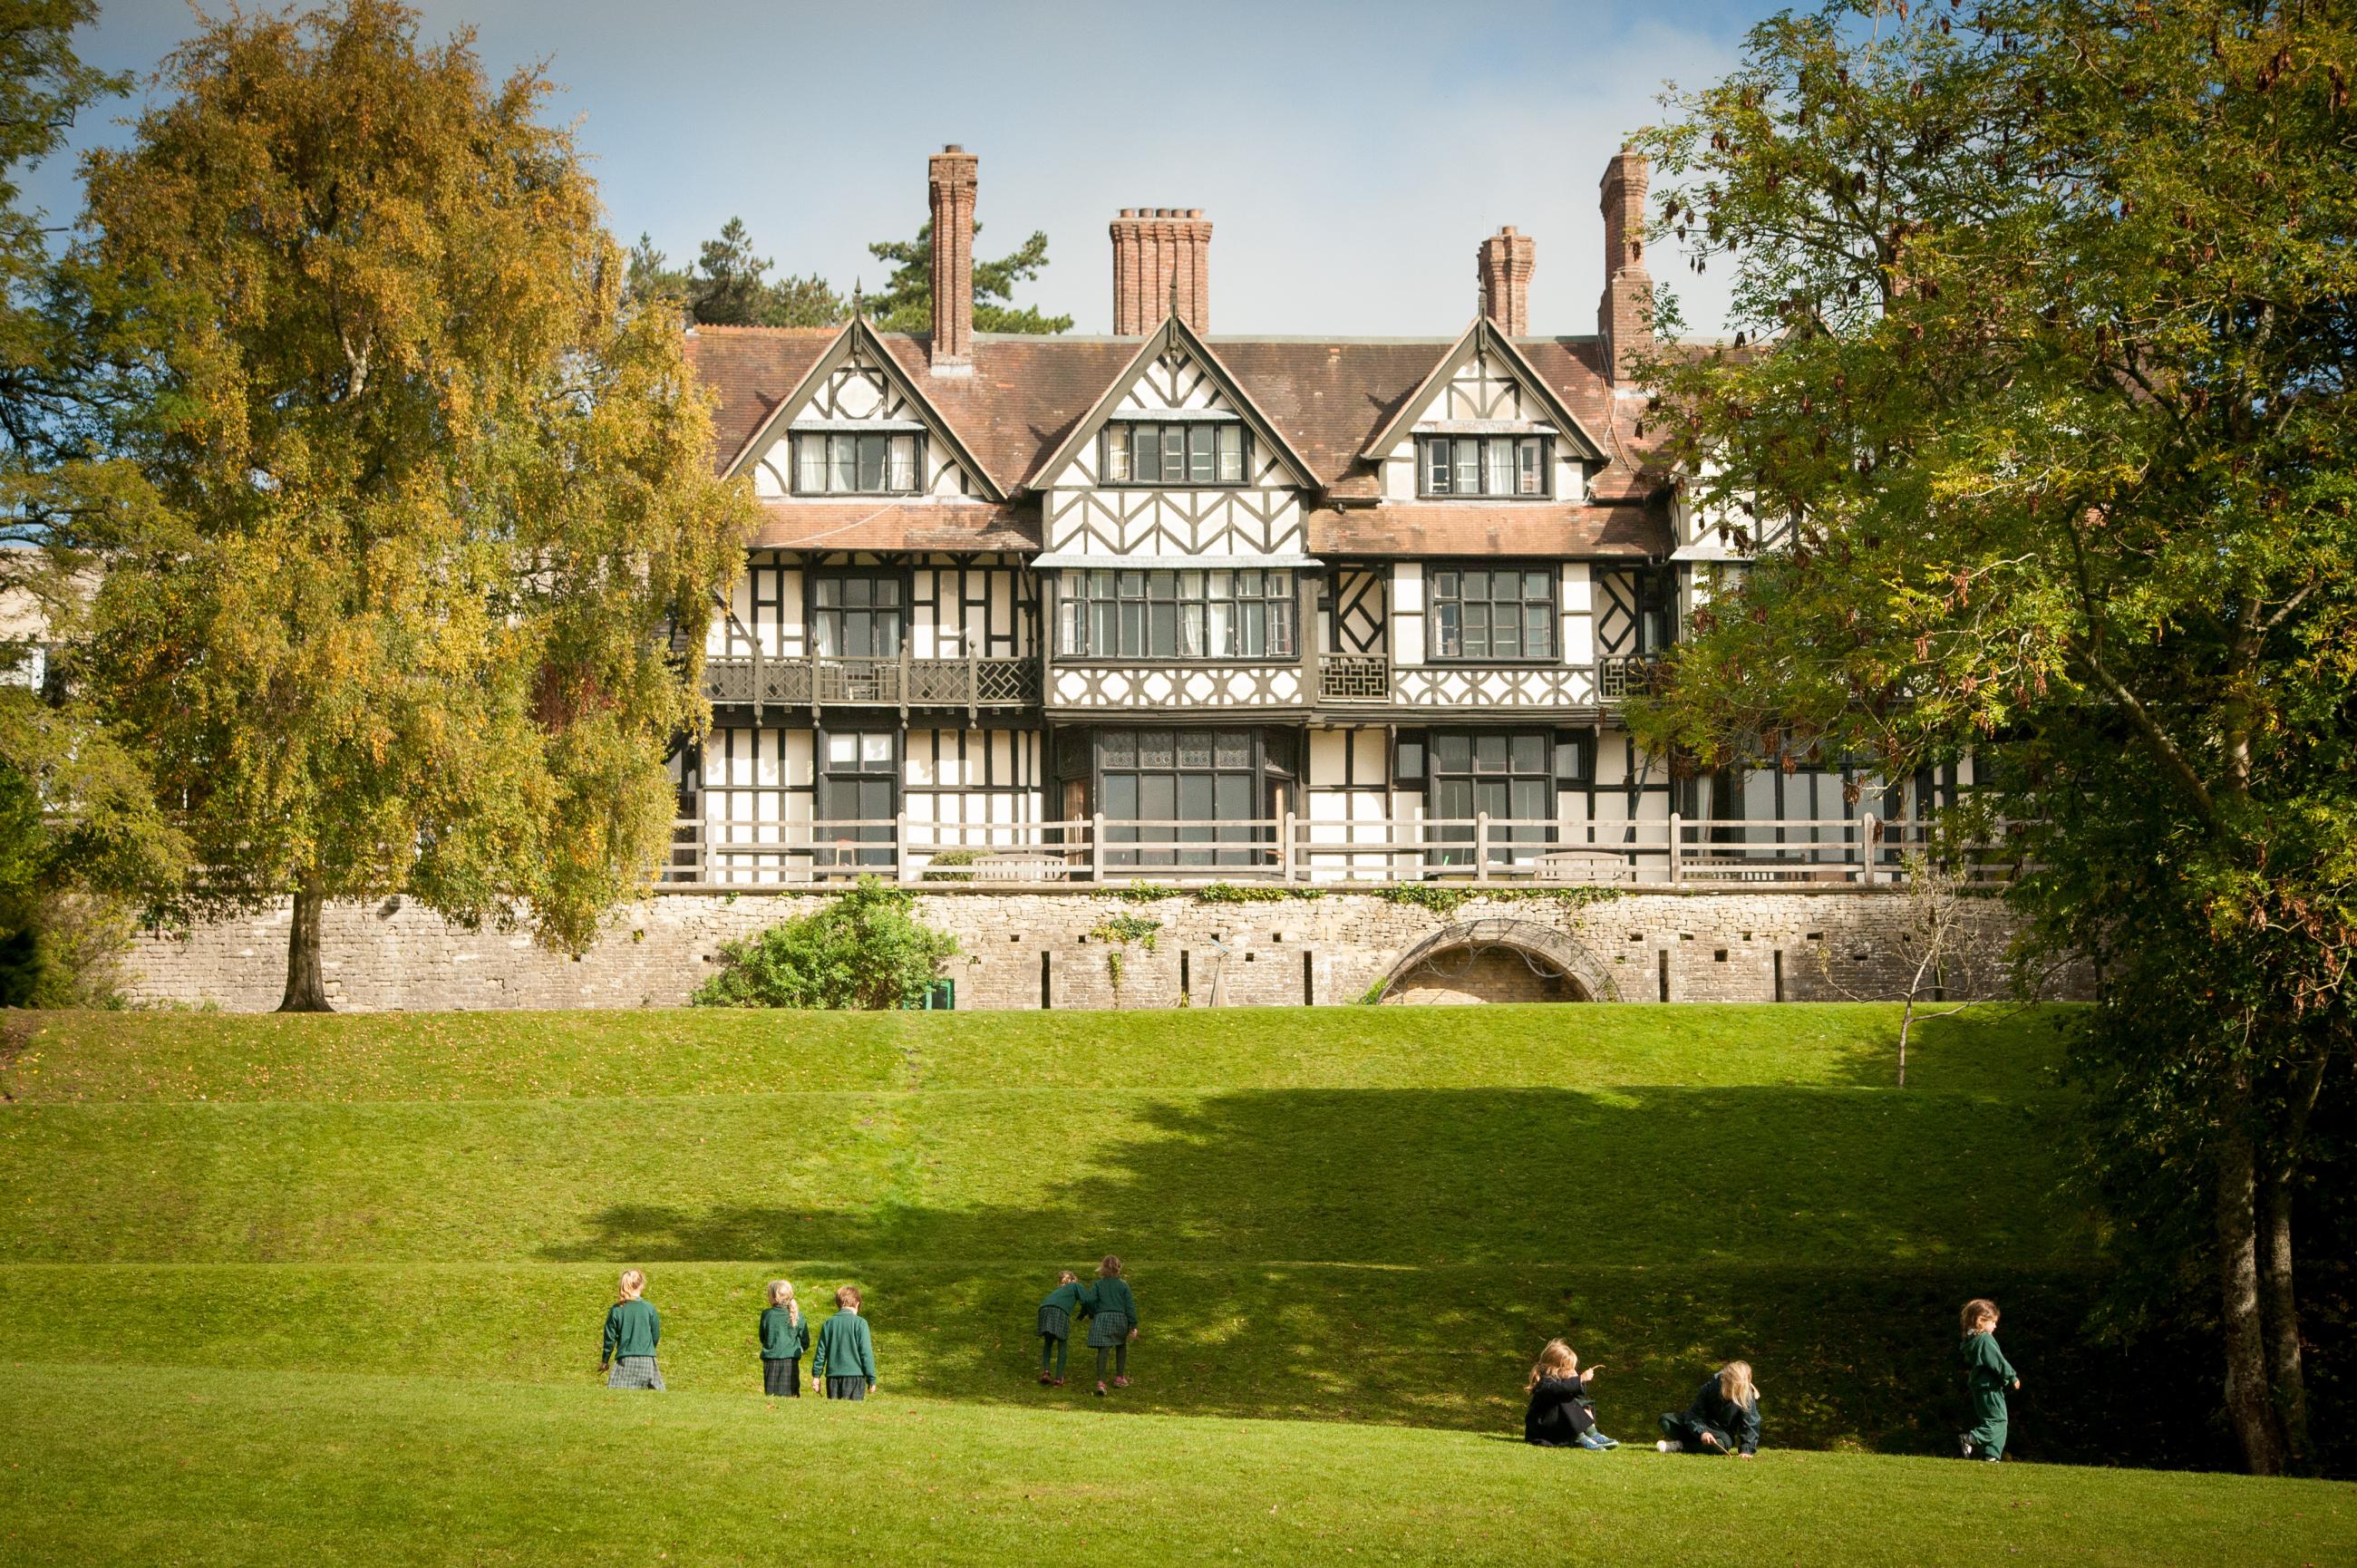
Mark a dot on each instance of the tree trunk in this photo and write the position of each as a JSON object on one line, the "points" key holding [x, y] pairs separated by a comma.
{"points": [[307, 991], [2249, 1406], [2279, 1304], [1906, 1022]]}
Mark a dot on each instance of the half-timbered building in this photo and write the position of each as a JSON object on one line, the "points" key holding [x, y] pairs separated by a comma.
{"points": [[1168, 601]]}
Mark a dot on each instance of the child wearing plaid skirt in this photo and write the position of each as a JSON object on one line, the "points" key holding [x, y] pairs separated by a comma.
{"points": [[1056, 1325], [784, 1334], [1113, 1322], [633, 1328]]}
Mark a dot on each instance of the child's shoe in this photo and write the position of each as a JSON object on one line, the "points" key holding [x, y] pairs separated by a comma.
{"points": [[1671, 1445], [1968, 1446], [1604, 1442], [1045, 1379], [1121, 1382], [1595, 1443], [1101, 1391], [1055, 1383]]}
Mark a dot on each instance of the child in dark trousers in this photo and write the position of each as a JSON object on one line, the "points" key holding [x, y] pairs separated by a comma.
{"points": [[843, 1362], [1056, 1325], [1113, 1322], [1987, 1374], [1723, 1419], [1560, 1413], [784, 1336]]}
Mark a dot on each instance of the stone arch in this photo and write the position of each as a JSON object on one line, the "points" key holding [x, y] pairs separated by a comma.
{"points": [[1496, 958]]}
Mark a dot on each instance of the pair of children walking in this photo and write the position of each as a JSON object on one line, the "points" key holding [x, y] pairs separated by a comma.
{"points": [[843, 1353], [1111, 1308]]}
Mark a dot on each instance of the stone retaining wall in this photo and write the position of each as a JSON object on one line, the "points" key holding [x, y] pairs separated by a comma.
{"points": [[1034, 948]]}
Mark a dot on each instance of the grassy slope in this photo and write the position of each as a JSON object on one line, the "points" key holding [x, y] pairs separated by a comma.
{"points": [[1378, 1216], [200, 1467]]}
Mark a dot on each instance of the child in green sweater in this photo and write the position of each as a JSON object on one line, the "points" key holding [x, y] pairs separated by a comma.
{"points": [[633, 1328], [1113, 1322], [1056, 1325], [1987, 1374], [843, 1361], [784, 1334]]}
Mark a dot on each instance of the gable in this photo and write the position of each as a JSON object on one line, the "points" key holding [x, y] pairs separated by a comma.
{"points": [[1174, 375], [1484, 381]]}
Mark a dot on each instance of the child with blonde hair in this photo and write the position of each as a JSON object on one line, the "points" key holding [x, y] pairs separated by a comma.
{"points": [[633, 1329], [1987, 1374], [843, 1361], [1560, 1413], [1113, 1322], [784, 1334], [1723, 1419], [1056, 1325]]}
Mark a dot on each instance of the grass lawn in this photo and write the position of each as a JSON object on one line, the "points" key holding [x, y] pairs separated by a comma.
{"points": [[202, 1467]]}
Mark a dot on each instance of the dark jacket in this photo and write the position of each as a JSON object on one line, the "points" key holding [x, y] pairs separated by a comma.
{"points": [[1735, 1425], [1559, 1412]]}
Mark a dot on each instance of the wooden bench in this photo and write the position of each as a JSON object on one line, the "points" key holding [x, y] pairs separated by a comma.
{"points": [[1021, 868], [1584, 867]]}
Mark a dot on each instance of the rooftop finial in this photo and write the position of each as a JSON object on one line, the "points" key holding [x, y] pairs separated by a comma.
{"points": [[858, 302]]}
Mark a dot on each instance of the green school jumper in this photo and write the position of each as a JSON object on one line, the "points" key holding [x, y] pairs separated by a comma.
{"points": [[1056, 1325], [784, 1339], [1988, 1374], [844, 1356]]}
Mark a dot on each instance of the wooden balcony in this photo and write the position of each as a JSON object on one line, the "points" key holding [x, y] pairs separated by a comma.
{"points": [[1372, 679], [820, 681]]}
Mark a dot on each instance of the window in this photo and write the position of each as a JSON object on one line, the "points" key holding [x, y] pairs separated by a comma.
{"points": [[1493, 613], [1490, 465], [1246, 613], [858, 781], [863, 463], [1175, 452], [1190, 786], [1508, 775], [857, 613]]}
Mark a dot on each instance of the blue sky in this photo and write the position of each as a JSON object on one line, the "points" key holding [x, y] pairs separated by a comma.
{"points": [[1395, 135]]}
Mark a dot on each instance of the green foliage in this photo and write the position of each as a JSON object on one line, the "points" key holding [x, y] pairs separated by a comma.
{"points": [[1122, 931], [729, 285], [906, 305], [865, 949], [936, 868], [1442, 898], [2051, 407], [434, 504]]}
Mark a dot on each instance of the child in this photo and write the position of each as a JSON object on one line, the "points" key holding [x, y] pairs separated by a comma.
{"points": [[1560, 1413], [633, 1328], [784, 1336], [1113, 1322], [1987, 1374], [843, 1362], [1056, 1325], [1723, 1419]]}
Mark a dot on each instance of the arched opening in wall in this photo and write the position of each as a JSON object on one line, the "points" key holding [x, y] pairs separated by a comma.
{"points": [[1497, 961]]}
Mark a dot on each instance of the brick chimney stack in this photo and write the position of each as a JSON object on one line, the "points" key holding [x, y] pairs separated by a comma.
{"points": [[1622, 316], [1504, 264], [950, 180], [1161, 263]]}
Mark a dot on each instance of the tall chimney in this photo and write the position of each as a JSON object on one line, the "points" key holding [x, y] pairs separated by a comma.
{"points": [[1161, 263], [1504, 264], [1621, 316], [950, 179]]}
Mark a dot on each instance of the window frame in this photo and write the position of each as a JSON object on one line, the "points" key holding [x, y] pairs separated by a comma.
{"points": [[1479, 468], [829, 463], [1433, 573], [1082, 608], [1117, 444], [815, 612]]}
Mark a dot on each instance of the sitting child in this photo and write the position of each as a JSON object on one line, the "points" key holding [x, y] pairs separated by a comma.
{"points": [[1723, 1419], [1560, 1413]]}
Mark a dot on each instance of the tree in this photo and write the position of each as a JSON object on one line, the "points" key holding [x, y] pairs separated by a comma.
{"points": [[2056, 334], [729, 286], [435, 508], [1949, 946], [907, 303], [865, 949]]}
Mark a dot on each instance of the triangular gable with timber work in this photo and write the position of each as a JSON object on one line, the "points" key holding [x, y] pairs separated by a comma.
{"points": [[1484, 378]]}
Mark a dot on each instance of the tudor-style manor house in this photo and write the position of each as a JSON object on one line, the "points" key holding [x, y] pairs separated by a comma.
{"points": [[1168, 603]]}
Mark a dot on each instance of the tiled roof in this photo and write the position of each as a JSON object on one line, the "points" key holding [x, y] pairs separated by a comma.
{"points": [[1629, 528], [897, 525], [1326, 397]]}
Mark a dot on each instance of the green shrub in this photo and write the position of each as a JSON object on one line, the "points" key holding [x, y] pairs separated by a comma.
{"points": [[933, 868], [864, 950]]}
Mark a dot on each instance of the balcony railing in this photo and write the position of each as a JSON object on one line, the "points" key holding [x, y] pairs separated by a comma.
{"points": [[1372, 678], [1675, 853], [828, 681]]}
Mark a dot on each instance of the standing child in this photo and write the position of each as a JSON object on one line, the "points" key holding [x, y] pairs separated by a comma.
{"points": [[1987, 1374], [633, 1329], [1560, 1413], [843, 1362], [1723, 1419], [1113, 1323], [784, 1334], [1056, 1325]]}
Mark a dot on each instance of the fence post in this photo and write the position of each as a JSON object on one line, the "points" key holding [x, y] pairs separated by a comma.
{"points": [[1677, 832], [1480, 846], [900, 846], [1869, 831], [1096, 847], [1284, 850]]}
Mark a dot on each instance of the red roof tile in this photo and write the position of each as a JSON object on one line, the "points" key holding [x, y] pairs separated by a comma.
{"points": [[1627, 531]]}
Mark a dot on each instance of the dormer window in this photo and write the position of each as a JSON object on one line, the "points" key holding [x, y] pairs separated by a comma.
{"points": [[1489, 467], [857, 463], [1175, 452]]}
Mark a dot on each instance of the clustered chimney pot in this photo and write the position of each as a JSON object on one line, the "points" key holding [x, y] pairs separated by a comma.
{"points": [[1504, 264], [1161, 261], [950, 184]]}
